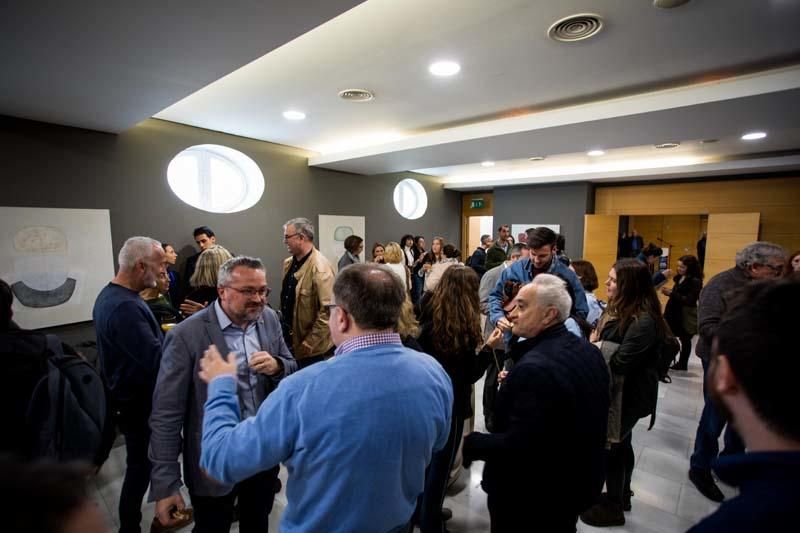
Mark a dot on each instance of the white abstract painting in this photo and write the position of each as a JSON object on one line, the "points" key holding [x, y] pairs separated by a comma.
{"points": [[56, 262], [334, 229], [517, 229]]}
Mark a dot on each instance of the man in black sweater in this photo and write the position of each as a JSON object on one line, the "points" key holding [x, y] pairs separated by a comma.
{"points": [[129, 347], [545, 461]]}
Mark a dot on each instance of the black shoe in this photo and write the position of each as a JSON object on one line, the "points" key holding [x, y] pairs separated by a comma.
{"points": [[705, 483], [447, 514], [604, 514], [626, 500]]}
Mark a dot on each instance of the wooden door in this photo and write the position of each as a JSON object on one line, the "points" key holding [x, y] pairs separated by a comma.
{"points": [[600, 234], [727, 234], [473, 205]]}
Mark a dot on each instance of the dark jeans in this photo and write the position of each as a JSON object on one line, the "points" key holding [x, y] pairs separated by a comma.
{"points": [[132, 421], [620, 469], [712, 422], [417, 286], [429, 504], [256, 495], [512, 516]]}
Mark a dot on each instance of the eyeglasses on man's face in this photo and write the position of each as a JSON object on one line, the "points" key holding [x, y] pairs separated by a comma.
{"points": [[250, 291], [287, 237]]}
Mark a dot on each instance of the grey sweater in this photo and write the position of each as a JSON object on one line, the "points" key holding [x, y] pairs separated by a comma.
{"points": [[714, 300]]}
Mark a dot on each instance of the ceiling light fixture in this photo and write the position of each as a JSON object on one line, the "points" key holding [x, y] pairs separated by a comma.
{"points": [[444, 68], [537, 158], [595, 153], [356, 95], [753, 136], [709, 141], [294, 115], [668, 145], [575, 28], [487, 164]]}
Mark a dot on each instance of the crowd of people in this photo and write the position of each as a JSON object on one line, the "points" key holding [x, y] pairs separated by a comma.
{"points": [[360, 381]]}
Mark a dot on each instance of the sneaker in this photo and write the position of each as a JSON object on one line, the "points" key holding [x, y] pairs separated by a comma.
{"points": [[604, 514], [705, 483], [182, 519]]}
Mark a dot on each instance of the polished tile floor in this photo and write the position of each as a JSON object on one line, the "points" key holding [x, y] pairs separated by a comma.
{"points": [[664, 500]]}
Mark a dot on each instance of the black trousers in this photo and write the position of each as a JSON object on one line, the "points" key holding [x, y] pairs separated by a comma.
{"points": [[686, 351], [256, 496], [132, 420], [620, 469]]}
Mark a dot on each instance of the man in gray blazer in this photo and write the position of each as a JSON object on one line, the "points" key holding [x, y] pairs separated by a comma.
{"points": [[239, 321]]}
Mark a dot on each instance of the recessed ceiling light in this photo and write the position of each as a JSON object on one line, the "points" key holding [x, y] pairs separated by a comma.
{"points": [[595, 153], [709, 141], [536, 158], [753, 135], [487, 164], [294, 115], [444, 68], [668, 145]]}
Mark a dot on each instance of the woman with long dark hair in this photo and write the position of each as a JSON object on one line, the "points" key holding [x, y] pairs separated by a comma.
{"points": [[450, 331], [629, 334], [418, 251], [681, 310]]}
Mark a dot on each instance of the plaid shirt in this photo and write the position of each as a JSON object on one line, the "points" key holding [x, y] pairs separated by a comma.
{"points": [[366, 341]]}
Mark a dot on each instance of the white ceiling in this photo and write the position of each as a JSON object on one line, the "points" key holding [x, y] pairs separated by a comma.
{"points": [[709, 69]]}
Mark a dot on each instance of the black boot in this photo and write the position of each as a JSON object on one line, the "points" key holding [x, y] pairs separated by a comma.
{"points": [[605, 513]]}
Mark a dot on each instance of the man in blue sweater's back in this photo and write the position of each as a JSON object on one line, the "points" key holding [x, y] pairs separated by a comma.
{"points": [[355, 432]]}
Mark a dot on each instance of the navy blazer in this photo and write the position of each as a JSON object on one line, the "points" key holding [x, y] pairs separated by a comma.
{"points": [[180, 395]]}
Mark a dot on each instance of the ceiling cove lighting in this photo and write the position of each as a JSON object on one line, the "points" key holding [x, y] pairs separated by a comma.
{"points": [[537, 158], [595, 153], [487, 164], [294, 115], [753, 136], [444, 68]]}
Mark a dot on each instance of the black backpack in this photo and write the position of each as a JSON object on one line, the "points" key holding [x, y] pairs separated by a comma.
{"points": [[68, 417]]}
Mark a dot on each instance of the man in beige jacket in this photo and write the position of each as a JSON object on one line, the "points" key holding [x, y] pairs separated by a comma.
{"points": [[306, 293]]}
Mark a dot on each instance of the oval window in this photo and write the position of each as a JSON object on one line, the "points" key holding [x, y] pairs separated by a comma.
{"points": [[410, 199], [215, 178]]}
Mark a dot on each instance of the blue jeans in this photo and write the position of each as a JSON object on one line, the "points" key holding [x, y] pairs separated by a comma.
{"points": [[712, 422]]}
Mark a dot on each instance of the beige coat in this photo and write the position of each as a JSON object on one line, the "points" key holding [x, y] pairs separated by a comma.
{"points": [[314, 291]]}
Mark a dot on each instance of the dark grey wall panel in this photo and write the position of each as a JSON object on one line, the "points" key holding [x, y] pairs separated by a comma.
{"points": [[53, 166], [563, 204]]}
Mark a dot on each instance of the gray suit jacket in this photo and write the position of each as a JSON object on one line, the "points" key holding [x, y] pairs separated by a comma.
{"points": [[180, 395]]}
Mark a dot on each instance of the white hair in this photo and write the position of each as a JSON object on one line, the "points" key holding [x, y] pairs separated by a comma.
{"points": [[136, 249], [302, 226], [551, 291], [759, 253]]}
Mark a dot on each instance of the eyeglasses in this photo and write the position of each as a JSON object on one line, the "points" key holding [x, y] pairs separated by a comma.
{"points": [[287, 237], [776, 269], [330, 307], [250, 292]]}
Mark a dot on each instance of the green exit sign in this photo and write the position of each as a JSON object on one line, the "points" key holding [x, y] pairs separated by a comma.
{"points": [[477, 203]]}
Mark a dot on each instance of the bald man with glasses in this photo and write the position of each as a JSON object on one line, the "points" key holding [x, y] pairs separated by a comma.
{"points": [[239, 322]]}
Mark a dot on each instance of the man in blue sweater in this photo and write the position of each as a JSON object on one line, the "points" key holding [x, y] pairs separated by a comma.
{"points": [[752, 378], [129, 348], [355, 432], [542, 242]]}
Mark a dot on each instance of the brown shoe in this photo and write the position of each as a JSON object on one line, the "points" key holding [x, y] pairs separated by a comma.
{"points": [[180, 519]]}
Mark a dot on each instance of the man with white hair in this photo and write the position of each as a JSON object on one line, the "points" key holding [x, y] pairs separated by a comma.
{"points": [[756, 261], [550, 419], [129, 348]]}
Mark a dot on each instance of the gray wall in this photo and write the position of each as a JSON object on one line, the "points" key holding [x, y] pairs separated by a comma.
{"points": [[563, 204], [53, 166]]}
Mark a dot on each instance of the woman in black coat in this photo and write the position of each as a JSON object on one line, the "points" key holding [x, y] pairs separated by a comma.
{"points": [[681, 310], [450, 331], [629, 334]]}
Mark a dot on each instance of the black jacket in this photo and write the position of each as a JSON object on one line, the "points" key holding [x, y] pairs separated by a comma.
{"points": [[550, 420], [477, 261], [684, 294], [464, 368], [636, 359]]}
